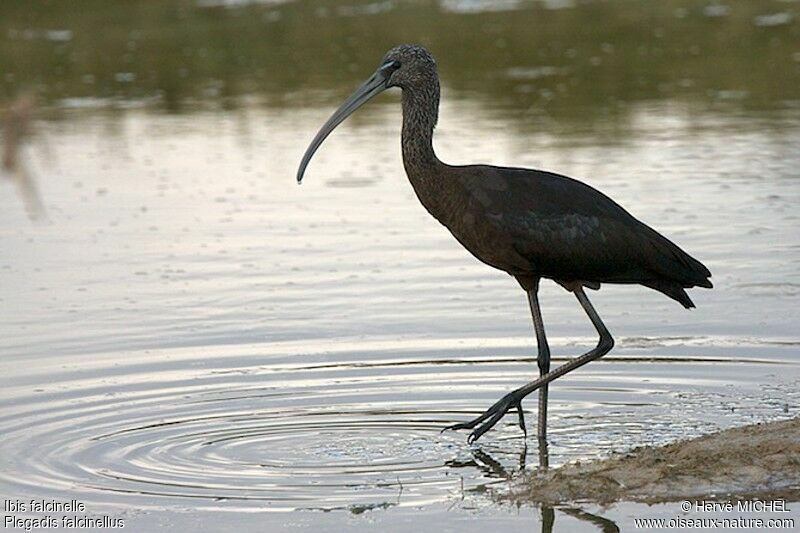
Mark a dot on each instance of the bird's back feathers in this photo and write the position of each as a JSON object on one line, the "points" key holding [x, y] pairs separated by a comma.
{"points": [[535, 223]]}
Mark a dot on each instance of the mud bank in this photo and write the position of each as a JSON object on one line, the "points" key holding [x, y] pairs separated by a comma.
{"points": [[758, 460]]}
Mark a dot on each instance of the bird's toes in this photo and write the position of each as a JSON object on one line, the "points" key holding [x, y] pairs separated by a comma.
{"points": [[461, 425], [478, 432], [491, 416], [499, 413], [521, 419]]}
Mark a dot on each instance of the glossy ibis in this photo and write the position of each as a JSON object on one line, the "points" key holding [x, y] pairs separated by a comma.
{"points": [[530, 223]]}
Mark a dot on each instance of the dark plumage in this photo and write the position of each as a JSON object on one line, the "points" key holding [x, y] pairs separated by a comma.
{"points": [[537, 224], [529, 223]]}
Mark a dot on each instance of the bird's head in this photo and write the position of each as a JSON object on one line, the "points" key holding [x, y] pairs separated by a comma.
{"points": [[413, 66], [406, 66]]}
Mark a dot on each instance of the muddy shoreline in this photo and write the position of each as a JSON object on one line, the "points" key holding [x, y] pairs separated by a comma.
{"points": [[761, 460]]}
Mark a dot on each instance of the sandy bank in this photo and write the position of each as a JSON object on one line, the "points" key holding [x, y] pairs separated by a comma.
{"points": [[757, 460]]}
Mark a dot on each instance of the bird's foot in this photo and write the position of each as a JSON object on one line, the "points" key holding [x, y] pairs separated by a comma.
{"points": [[491, 416]]}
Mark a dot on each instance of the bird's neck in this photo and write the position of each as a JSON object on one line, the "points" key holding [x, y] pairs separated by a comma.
{"points": [[428, 176], [420, 112]]}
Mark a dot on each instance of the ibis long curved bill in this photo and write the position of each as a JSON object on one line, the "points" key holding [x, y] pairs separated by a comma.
{"points": [[377, 83]]}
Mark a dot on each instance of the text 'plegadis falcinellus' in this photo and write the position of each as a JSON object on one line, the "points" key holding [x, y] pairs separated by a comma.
{"points": [[530, 223]]}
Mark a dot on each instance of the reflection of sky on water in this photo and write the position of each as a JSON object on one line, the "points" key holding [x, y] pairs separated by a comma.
{"points": [[202, 210]]}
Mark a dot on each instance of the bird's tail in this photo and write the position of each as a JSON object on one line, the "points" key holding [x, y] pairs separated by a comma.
{"points": [[676, 267], [674, 270], [673, 290]]}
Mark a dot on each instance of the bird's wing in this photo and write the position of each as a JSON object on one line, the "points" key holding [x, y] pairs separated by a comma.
{"points": [[571, 231]]}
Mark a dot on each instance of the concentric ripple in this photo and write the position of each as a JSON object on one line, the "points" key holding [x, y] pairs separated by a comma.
{"points": [[350, 426]]}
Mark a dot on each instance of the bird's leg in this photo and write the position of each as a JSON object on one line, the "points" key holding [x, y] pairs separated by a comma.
{"points": [[492, 415], [543, 358], [544, 455]]}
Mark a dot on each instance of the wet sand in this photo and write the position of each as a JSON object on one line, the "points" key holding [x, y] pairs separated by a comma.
{"points": [[761, 460]]}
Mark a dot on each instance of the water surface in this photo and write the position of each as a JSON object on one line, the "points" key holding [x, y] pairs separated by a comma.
{"points": [[191, 339]]}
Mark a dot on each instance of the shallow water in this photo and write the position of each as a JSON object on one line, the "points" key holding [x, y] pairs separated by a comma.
{"points": [[191, 339]]}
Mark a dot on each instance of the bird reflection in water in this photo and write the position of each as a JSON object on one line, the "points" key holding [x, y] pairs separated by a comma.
{"points": [[17, 129], [494, 469]]}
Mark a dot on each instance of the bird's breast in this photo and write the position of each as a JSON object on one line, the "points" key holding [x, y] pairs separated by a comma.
{"points": [[471, 209], [479, 231]]}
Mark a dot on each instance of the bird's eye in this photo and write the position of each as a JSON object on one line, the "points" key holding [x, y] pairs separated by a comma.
{"points": [[395, 65]]}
